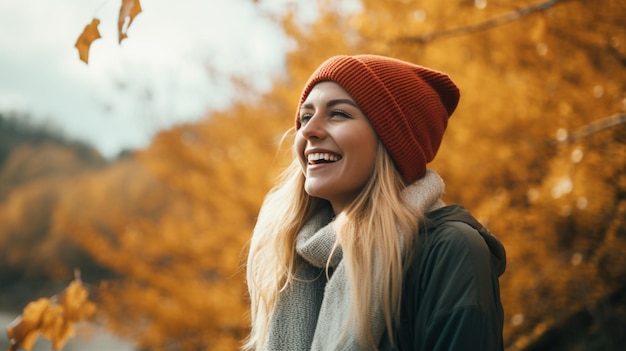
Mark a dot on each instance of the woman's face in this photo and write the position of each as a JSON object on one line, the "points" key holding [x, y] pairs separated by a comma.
{"points": [[336, 145]]}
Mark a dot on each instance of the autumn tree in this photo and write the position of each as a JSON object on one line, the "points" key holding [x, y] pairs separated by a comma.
{"points": [[35, 164], [536, 147], [173, 221]]}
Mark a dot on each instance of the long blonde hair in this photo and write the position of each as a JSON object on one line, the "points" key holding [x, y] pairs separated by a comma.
{"points": [[368, 226]]}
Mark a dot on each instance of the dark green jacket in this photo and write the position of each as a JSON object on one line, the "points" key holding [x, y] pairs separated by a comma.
{"points": [[451, 296]]}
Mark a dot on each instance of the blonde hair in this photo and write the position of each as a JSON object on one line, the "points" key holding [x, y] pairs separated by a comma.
{"points": [[367, 227]]}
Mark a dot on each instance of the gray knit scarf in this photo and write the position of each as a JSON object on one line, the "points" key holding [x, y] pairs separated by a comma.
{"points": [[312, 312]]}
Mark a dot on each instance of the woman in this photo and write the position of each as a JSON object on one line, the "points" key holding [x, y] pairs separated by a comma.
{"points": [[354, 249]]}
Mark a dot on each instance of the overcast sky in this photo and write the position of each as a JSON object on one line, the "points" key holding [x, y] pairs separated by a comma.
{"points": [[156, 78]]}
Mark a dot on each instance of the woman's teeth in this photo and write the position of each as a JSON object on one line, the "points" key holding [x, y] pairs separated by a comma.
{"points": [[324, 157]]}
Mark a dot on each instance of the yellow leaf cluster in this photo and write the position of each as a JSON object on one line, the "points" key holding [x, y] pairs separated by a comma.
{"points": [[53, 318]]}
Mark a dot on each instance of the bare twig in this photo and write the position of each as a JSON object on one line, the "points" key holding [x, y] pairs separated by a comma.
{"points": [[509, 17], [596, 126]]}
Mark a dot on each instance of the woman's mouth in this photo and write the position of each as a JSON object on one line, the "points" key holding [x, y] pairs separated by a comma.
{"points": [[322, 157]]}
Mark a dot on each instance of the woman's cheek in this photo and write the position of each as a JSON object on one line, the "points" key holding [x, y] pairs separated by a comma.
{"points": [[299, 146]]}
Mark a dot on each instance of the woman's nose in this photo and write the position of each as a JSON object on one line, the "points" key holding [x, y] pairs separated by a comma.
{"points": [[314, 127]]}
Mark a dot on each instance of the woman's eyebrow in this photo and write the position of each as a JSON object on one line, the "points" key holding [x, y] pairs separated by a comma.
{"points": [[332, 103], [341, 101]]}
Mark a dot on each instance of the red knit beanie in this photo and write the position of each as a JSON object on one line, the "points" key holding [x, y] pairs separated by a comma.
{"points": [[408, 105]]}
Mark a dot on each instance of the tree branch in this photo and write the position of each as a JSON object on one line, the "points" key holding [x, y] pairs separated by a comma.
{"points": [[509, 17], [596, 126]]}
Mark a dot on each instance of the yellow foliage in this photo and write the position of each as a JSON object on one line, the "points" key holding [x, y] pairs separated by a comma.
{"points": [[52, 318]]}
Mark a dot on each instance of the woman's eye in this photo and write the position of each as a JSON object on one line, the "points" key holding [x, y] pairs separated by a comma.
{"points": [[340, 113], [305, 118]]}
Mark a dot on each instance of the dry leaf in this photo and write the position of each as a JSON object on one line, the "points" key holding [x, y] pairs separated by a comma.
{"points": [[75, 303], [89, 34], [25, 329], [55, 327], [53, 318], [129, 9]]}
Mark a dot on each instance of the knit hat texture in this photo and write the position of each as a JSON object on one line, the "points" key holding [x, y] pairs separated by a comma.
{"points": [[408, 105]]}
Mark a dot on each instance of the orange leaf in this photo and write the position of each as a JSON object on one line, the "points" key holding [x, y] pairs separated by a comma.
{"points": [[130, 9], [76, 305], [89, 34], [55, 327], [52, 318], [24, 330]]}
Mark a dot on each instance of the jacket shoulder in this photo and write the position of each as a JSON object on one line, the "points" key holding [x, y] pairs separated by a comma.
{"points": [[457, 226]]}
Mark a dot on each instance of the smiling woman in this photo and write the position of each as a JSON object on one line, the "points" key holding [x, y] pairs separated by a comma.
{"points": [[354, 248], [336, 145]]}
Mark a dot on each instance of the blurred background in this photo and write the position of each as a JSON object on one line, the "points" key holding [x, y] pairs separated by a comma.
{"points": [[145, 169]]}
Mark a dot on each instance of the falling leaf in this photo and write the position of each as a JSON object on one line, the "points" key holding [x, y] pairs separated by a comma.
{"points": [[130, 9], [89, 34]]}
